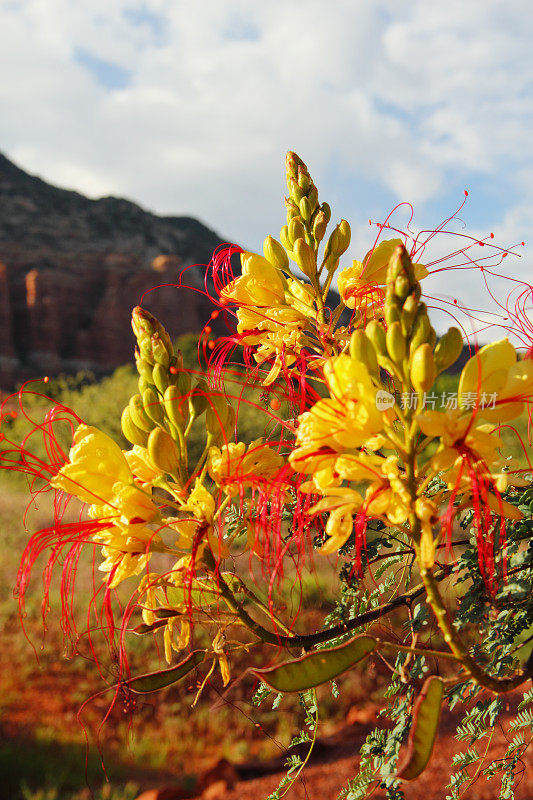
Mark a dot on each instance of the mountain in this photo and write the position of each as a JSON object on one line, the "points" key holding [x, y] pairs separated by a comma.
{"points": [[71, 269]]}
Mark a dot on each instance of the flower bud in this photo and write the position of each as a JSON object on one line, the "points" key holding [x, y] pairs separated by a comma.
{"points": [[448, 349], [294, 190], [361, 349], [160, 351], [304, 179], [138, 415], [319, 226], [152, 406], [293, 209], [305, 209], [396, 342], [340, 238], [423, 372], [198, 401], [132, 433], [292, 162], [275, 253], [174, 405], [408, 313], [326, 210], [313, 198], [376, 334], [305, 257], [402, 286], [160, 377], [392, 311], [144, 368], [163, 451], [284, 237], [296, 230], [141, 322], [421, 329]]}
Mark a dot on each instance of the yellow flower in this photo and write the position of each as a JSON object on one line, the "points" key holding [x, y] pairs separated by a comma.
{"points": [[495, 382], [342, 504], [141, 464], [340, 423], [96, 463], [235, 466], [359, 285], [98, 473], [127, 550], [260, 284]]}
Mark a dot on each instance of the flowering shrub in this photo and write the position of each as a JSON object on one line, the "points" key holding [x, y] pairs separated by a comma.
{"points": [[357, 461]]}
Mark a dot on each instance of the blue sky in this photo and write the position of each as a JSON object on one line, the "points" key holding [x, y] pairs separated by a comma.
{"points": [[188, 107]]}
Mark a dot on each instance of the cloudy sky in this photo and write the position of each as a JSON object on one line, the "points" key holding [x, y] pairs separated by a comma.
{"points": [[188, 107]]}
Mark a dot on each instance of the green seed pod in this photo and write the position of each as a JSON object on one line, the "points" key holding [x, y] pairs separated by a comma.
{"points": [[423, 372], [160, 377], [296, 230], [138, 415], [174, 407], [132, 433], [152, 406], [163, 451], [448, 349], [305, 257], [275, 253], [362, 349], [396, 342], [376, 334]]}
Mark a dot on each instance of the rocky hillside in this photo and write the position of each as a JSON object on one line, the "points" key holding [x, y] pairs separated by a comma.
{"points": [[72, 268]]}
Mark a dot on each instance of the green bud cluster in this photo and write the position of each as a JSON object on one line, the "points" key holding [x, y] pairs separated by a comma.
{"points": [[159, 416], [307, 220], [405, 342]]}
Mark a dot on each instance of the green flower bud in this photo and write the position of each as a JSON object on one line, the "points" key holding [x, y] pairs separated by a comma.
{"points": [[305, 257], [138, 415], [144, 368], [198, 401], [362, 349], [160, 377], [326, 210], [284, 237], [160, 351], [296, 230], [423, 371], [320, 224], [396, 342], [421, 329], [293, 209], [152, 406], [132, 433], [376, 334], [448, 349], [275, 253], [392, 311], [163, 451], [340, 238], [304, 180], [408, 313], [305, 209], [313, 198], [402, 286], [294, 190], [174, 407]]}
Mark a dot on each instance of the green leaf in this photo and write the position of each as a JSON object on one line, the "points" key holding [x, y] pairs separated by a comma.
{"points": [[426, 715], [317, 667], [153, 681]]}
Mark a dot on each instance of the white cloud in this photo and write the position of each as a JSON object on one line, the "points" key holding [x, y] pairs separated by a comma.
{"points": [[385, 101]]}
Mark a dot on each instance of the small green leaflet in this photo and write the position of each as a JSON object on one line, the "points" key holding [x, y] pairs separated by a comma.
{"points": [[317, 667], [153, 681], [426, 715]]}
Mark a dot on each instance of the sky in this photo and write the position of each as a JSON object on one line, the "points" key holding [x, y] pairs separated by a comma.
{"points": [[189, 106]]}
